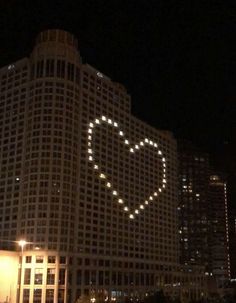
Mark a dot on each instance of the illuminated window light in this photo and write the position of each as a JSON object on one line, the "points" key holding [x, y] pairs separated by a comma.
{"points": [[150, 198], [100, 75], [159, 152], [151, 142], [141, 206], [120, 201], [102, 176], [141, 143], [89, 137], [163, 159], [104, 118], [108, 184], [155, 194], [131, 150], [90, 131], [121, 133], [97, 121], [126, 208], [11, 66], [136, 146], [146, 140], [131, 216], [164, 180], [89, 144], [164, 165], [90, 151], [146, 202], [114, 193], [126, 141], [160, 190], [95, 166], [91, 124], [155, 145], [136, 211], [164, 186], [115, 124], [109, 121], [90, 158]]}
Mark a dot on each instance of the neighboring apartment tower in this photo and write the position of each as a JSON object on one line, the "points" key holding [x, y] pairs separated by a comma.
{"points": [[232, 244], [203, 213], [219, 230], [193, 205], [86, 183]]}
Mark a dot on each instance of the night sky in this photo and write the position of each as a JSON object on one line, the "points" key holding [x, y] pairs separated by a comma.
{"points": [[177, 59]]}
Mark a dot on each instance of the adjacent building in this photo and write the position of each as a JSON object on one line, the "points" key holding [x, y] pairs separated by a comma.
{"points": [[219, 227], [193, 205], [232, 244], [92, 189], [203, 212]]}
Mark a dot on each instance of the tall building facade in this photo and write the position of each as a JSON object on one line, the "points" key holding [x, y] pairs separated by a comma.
{"points": [[219, 230], [92, 189], [232, 244], [203, 212], [193, 205]]}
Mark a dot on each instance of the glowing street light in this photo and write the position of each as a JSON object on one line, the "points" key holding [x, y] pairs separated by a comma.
{"points": [[22, 244]]}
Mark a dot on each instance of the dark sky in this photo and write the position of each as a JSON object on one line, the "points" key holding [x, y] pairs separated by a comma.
{"points": [[176, 58]]}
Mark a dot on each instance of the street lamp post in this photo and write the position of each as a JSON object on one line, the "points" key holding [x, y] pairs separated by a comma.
{"points": [[21, 243]]}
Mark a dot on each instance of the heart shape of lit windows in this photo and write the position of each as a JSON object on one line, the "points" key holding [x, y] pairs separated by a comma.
{"points": [[132, 149]]}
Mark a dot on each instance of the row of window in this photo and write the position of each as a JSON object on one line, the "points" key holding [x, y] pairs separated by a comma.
{"points": [[36, 296], [41, 259], [38, 276], [55, 68]]}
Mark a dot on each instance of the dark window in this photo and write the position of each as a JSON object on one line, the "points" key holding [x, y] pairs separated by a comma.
{"points": [[27, 276], [100, 278], [37, 295], [61, 276], [28, 259], [51, 259], [77, 75], [62, 260], [86, 277], [70, 71], [50, 276], [60, 68], [49, 295], [49, 68], [79, 277], [39, 68], [39, 259], [26, 294], [61, 296]]}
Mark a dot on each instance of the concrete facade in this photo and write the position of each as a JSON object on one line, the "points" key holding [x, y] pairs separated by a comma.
{"points": [[82, 177]]}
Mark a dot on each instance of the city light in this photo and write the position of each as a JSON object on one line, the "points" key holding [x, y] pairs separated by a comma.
{"points": [[132, 149], [22, 243]]}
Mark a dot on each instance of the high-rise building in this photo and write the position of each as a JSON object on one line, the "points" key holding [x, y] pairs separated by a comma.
{"points": [[232, 244], [193, 205], [92, 189], [219, 230], [203, 213]]}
